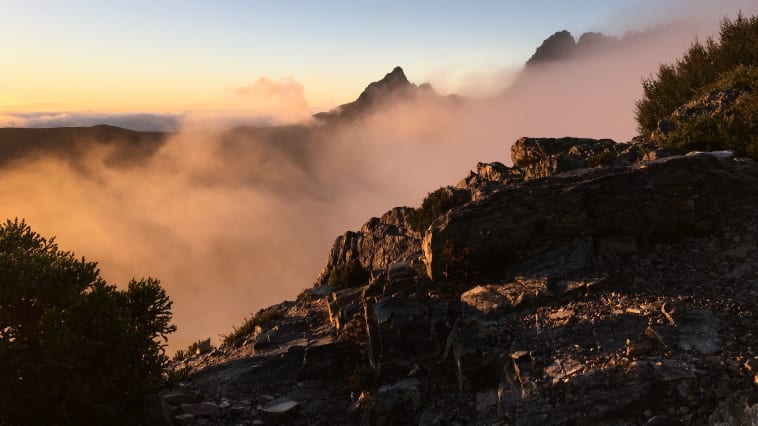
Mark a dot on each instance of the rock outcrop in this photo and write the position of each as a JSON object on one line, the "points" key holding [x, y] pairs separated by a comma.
{"points": [[394, 86], [380, 243], [569, 291]]}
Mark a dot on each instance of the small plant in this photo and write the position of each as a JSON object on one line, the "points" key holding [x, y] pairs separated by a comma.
{"points": [[435, 204], [180, 355], [355, 330], [603, 157], [262, 318], [348, 274]]}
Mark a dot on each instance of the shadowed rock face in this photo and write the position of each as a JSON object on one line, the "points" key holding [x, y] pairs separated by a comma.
{"points": [[659, 201], [622, 293]]}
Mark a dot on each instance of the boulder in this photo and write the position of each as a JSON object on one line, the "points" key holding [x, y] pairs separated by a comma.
{"points": [[663, 200], [476, 351], [542, 157], [280, 411], [396, 403], [403, 329], [203, 347], [201, 409], [380, 243]]}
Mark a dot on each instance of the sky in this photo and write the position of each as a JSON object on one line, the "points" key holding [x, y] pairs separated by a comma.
{"points": [[174, 57]]}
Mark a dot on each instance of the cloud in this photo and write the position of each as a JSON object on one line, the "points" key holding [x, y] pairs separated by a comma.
{"points": [[283, 100], [134, 121], [233, 221]]}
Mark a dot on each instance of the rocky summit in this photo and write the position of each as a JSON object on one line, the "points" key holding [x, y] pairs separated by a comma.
{"points": [[592, 283]]}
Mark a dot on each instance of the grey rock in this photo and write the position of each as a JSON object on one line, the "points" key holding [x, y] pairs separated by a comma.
{"points": [[396, 403], [737, 410], [184, 419], [203, 347], [201, 409], [280, 411], [403, 329], [607, 203], [542, 157], [380, 243], [698, 331], [180, 396]]}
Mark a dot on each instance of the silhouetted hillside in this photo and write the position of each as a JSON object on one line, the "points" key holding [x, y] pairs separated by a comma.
{"points": [[125, 146]]}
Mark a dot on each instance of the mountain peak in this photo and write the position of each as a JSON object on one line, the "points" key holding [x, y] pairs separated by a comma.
{"points": [[562, 45], [393, 84], [558, 46], [397, 73]]}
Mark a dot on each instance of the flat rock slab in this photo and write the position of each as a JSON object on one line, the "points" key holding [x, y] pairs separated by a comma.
{"points": [[280, 410], [698, 332]]}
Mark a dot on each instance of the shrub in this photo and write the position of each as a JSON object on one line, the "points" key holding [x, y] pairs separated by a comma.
{"points": [[737, 131], [262, 318], [355, 330], [694, 74], [74, 349], [602, 157], [348, 274], [435, 204]]}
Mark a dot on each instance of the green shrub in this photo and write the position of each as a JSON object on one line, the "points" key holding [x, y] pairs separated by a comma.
{"points": [[603, 157], [695, 74], [262, 318], [348, 274], [74, 349], [737, 131], [435, 204]]}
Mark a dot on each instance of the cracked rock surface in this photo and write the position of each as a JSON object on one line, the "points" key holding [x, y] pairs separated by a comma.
{"points": [[619, 294]]}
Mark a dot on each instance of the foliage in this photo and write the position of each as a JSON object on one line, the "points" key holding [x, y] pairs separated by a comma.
{"points": [[695, 74], [74, 349], [348, 274], [177, 374], [260, 319], [603, 157], [435, 204], [737, 131], [355, 330]]}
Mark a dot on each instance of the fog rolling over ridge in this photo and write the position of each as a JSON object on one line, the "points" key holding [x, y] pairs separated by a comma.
{"points": [[233, 221]]}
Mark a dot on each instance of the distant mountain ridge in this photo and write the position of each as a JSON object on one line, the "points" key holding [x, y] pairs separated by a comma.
{"points": [[562, 45], [393, 86]]}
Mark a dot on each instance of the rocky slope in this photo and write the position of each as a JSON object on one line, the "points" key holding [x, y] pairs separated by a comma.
{"points": [[592, 283]]}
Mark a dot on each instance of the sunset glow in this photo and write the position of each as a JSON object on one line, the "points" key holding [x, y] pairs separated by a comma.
{"points": [[174, 56]]}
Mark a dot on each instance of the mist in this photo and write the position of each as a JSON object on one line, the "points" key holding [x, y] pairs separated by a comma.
{"points": [[234, 221]]}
